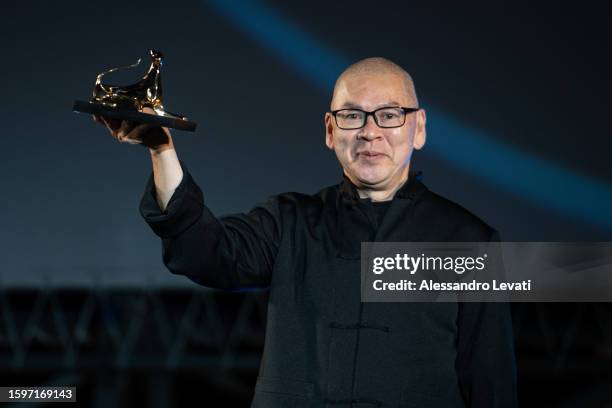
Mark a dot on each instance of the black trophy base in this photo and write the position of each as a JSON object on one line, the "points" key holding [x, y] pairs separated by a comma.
{"points": [[133, 116]]}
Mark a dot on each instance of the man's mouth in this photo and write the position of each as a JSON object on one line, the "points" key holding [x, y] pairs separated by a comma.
{"points": [[369, 154]]}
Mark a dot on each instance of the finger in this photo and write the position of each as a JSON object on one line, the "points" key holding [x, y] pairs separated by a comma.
{"points": [[112, 124], [99, 119], [138, 132], [108, 126], [148, 134], [131, 141], [125, 128]]}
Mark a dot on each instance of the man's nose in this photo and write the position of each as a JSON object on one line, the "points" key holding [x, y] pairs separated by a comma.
{"points": [[370, 130]]}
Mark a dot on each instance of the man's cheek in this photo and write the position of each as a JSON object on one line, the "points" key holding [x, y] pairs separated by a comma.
{"points": [[345, 150]]}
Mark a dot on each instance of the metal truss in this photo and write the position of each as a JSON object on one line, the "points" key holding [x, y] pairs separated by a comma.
{"points": [[71, 329], [564, 351]]}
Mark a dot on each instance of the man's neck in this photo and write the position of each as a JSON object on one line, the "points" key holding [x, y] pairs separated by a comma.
{"points": [[385, 193]]}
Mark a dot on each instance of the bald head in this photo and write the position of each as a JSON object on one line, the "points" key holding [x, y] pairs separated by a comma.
{"points": [[376, 66]]}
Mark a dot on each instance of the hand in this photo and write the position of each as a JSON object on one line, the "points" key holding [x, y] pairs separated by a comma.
{"points": [[155, 137]]}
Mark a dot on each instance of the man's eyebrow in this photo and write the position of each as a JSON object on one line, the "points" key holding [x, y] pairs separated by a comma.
{"points": [[353, 105]]}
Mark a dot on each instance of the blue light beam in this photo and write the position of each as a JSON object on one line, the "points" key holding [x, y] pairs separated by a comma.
{"points": [[527, 176]]}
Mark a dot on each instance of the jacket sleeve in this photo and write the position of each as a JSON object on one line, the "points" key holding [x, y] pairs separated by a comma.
{"points": [[485, 354], [231, 252]]}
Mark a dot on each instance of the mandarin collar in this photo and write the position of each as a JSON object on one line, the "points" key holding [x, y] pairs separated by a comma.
{"points": [[410, 190]]}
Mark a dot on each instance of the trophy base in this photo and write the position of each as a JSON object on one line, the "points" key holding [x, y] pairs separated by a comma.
{"points": [[133, 116]]}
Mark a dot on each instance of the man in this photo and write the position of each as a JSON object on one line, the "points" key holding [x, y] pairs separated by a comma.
{"points": [[323, 346]]}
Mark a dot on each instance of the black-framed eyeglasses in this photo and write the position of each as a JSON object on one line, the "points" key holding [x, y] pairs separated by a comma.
{"points": [[389, 117]]}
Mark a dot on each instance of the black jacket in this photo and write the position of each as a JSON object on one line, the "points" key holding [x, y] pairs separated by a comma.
{"points": [[323, 347]]}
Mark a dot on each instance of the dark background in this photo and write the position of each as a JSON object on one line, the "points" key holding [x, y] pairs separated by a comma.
{"points": [[518, 132]]}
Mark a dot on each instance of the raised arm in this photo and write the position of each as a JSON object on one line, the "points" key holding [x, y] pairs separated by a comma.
{"points": [[231, 252]]}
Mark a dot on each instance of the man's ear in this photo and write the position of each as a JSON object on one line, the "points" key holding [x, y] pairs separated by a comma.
{"points": [[329, 131], [420, 133]]}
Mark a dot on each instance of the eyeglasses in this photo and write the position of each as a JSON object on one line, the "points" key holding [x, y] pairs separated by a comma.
{"points": [[390, 117]]}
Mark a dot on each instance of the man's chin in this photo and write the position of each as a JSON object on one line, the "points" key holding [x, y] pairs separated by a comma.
{"points": [[370, 180]]}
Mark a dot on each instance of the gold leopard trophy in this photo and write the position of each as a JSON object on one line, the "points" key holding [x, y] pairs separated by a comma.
{"points": [[127, 102]]}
